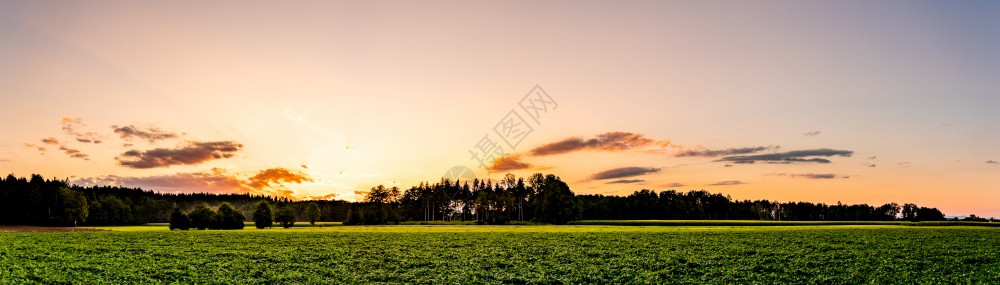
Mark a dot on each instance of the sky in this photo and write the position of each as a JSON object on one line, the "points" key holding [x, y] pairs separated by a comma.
{"points": [[820, 101]]}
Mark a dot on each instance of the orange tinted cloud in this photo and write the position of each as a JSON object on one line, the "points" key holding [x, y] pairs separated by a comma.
{"points": [[277, 176], [193, 153], [214, 181], [50, 140], [72, 127], [509, 163], [37, 147]]}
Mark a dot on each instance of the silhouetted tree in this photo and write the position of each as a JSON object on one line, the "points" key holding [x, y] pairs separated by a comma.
{"points": [[229, 217], [179, 220], [312, 213], [202, 217], [554, 202], [262, 217], [909, 212], [71, 206], [285, 216]]}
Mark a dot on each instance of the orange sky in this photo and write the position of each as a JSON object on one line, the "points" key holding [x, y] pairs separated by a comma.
{"points": [[855, 102]]}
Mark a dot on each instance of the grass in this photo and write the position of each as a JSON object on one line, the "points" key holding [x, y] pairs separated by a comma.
{"points": [[773, 223], [720, 254]]}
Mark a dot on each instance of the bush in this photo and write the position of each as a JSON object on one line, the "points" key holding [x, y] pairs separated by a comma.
{"points": [[179, 220], [285, 217], [262, 217], [202, 217], [230, 218]]}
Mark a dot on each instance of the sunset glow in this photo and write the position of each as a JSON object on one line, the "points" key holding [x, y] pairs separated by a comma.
{"points": [[871, 102]]}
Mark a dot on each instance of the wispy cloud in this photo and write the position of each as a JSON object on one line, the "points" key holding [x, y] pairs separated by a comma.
{"points": [[74, 153], [612, 141], [811, 175], [190, 154], [626, 181], [812, 133], [722, 152], [36, 147], [623, 172], [727, 183], [50, 140], [675, 184], [797, 156], [72, 126], [991, 161], [151, 134]]}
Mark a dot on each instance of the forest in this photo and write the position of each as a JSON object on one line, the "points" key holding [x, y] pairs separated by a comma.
{"points": [[537, 198]]}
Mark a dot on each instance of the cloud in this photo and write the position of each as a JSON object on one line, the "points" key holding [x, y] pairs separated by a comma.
{"points": [[71, 126], [276, 176], [192, 153], [37, 147], [151, 134], [721, 152], [611, 141], [623, 172], [675, 184], [509, 163], [870, 164], [216, 180], [873, 158], [812, 133], [74, 153], [727, 183], [326, 197], [991, 161], [788, 157], [626, 181], [50, 141], [812, 176]]}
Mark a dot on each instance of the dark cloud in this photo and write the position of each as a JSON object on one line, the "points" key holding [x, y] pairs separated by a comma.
{"points": [[151, 134], [870, 164], [721, 152], [74, 153], [813, 176], [612, 141], [509, 163], [873, 158], [50, 141], [727, 183], [193, 153], [623, 172], [991, 161], [796, 156], [675, 184], [276, 176], [626, 181], [72, 127], [812, 133]]}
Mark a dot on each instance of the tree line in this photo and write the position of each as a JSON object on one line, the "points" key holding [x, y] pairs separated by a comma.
{"points": [[536, 198]]}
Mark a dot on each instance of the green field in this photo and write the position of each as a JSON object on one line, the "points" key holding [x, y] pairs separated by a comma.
{"points": [[509, 254]]}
